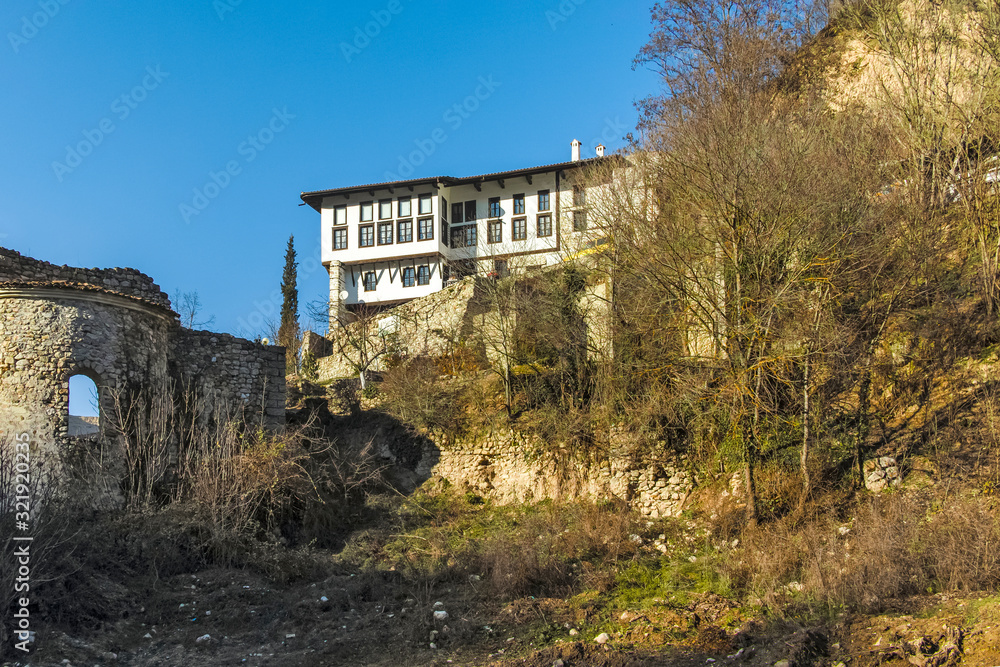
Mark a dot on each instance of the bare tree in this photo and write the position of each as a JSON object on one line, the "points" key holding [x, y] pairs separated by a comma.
{"points": [[189, 310]]}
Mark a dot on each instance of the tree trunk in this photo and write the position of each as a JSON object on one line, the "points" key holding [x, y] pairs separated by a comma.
{"points": [[804, 456]]}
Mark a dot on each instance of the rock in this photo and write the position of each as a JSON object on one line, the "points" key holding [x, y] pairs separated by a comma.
{"points": [[558, 663], [441, 615], [574, 633], [203, 638], [783, 663], [602, 638]]}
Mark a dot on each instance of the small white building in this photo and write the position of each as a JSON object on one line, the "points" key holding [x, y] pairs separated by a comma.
{"points": [[388, 243]]}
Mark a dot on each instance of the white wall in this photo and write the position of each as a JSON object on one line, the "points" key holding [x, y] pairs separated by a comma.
{"points": [[389, 275]]}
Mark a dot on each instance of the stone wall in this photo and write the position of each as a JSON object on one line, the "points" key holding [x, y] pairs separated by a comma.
{"points": [[223, 369], [116, 327], [16, 268], [511, 467], [425, 326]]}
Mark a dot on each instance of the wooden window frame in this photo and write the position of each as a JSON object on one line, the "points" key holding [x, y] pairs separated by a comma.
{"points": [[399, 231], [548, 225], [420, 204], [382, 203], [370, 205], [521, 223], [420, 229], [423, 275], [342, 233], [409, 274], [518, 204], [364, 281], [494, 208], [370, 228], [383, 225], [409, 204], [547, 196], [343, 218], [494, 232]]}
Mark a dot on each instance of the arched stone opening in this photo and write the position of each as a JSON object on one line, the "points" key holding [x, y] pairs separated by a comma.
{"points": [[85, 409]]}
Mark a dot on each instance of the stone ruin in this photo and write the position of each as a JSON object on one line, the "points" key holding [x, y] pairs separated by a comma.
{"points": [[116, 327]]}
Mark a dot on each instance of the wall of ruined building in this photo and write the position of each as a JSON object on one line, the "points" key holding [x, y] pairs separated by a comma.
{"points": [[231, 374], [45, 341], [15, 267], [116, 328], [425, 326], [511, 467]]}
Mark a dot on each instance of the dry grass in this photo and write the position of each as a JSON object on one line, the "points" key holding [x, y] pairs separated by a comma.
{"points": [[892, 546]]}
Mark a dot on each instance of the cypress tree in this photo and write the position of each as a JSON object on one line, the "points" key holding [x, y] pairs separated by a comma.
{"points": [[288, 332]]}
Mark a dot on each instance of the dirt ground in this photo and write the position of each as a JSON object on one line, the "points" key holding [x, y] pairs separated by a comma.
{"points": [[233, 617]]}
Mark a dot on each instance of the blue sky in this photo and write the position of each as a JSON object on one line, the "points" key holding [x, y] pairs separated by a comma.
{"points": [[175, 137]]}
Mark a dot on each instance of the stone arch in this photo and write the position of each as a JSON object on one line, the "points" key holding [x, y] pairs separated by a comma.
{"points": [[85, 403]]}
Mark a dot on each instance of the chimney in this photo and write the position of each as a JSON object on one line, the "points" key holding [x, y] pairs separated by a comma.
{"points": [[576, 150], [600, 150]]}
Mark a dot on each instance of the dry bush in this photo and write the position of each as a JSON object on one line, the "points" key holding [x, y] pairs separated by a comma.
{"points": [[895, 545], [549, 552], [418, 394]]}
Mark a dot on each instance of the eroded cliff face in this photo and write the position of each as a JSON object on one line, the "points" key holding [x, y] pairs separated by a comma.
{"points": [[901, 60]]}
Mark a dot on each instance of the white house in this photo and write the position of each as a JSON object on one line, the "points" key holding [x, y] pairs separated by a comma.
{"points": [[388, 243]]}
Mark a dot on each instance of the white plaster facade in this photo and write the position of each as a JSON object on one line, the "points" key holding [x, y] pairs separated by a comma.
{"points": [[389, 243]]}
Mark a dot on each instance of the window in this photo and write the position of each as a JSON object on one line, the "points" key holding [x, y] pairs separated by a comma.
{"points": [[543, 200], [404, 207], [495, 211], [579, 196], [457, 213], [408, 277], [366, 236], [463, 237], [518, 204], [340, 239], [340, 215], [545, 225], [426, 206], [424, 275], [579, 221], [470, 211], [385, 233], [495, 232], [367, 211], [370, 282], [425, 229], [385, 209], [444, 208], [444, 229], [405, 232], [84, 407], [520, 229]]}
